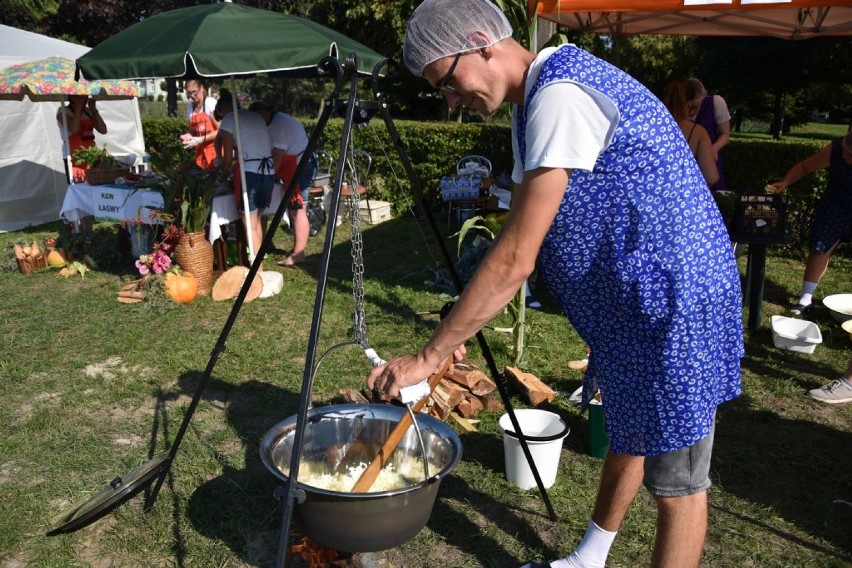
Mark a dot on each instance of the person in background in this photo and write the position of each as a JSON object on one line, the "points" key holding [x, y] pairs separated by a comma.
{"points": [[629, 242], [680, 99], [82, 119], [837, 391], [832, 222], [257, 157], [711, 112], [203, 125], [289, 141]]}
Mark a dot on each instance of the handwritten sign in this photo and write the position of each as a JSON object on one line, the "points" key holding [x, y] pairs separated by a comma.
{"points": [[107, 204], [110, 202]]}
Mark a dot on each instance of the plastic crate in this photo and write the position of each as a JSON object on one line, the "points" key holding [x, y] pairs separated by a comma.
{"points": [[374, 211], [461, 188], [759, 215]]}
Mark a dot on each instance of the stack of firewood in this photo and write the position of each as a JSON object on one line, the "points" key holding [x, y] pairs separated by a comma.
{"points": [[462, 393], [467, 390]]}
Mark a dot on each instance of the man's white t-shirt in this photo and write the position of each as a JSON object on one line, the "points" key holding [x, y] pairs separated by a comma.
{"points": [[254, 138], [568, 124], [288, 134]]}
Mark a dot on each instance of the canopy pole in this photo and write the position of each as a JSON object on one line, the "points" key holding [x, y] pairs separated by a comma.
{"points": [[241, 160], [69, 168]]}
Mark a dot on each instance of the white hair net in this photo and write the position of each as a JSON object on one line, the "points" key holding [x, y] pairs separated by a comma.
{"points": [[439, 28]]}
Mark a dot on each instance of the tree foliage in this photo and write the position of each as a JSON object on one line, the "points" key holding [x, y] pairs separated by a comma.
{"points": [[89, 22], [777, 81]]}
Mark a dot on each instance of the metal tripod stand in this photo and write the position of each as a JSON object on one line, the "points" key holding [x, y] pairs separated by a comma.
{"points": [[357, 111]]}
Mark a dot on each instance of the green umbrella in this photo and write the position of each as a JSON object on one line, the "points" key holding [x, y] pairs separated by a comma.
{"points": [[220, 40]]}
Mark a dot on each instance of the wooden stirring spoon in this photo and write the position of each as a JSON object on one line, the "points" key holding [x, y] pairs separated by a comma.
{"points": [[368, 477]]}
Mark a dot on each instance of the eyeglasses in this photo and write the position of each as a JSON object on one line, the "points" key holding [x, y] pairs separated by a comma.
{"points": [[444, 84], [192, 93]]}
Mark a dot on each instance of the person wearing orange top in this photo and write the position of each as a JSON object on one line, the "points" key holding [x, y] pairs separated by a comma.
{"points": [[81, 120], [203, 125]]}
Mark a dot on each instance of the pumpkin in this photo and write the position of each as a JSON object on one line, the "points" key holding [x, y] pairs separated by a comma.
{"points": [[181, 287], [55, 259]]}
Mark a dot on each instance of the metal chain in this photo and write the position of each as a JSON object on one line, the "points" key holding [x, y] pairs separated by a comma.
{"points": [[359, 323]]}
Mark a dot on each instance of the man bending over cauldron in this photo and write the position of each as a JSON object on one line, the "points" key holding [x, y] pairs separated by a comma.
{"points": [[629, 241]]}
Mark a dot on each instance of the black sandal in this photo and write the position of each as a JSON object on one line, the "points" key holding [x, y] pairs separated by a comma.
{"points": [[802, 309]]}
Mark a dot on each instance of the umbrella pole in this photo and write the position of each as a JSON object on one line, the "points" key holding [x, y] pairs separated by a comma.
{"points": [[241, 161]]}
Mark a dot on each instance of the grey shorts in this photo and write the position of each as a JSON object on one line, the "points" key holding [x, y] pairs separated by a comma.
{"points": [[683, 472]]}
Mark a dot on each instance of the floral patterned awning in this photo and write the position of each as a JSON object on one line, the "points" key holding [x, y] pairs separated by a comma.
{"points": [[52, 79]]}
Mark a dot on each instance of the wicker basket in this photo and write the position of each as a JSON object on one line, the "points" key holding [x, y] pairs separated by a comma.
{"points": [[101, 177], [194, 253], [31, 263]]}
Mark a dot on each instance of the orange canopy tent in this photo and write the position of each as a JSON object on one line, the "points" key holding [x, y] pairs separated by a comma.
{"points": [[791, 19]]}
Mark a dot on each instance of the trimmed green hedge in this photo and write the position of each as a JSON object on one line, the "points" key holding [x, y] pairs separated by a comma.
{"points": [[162, 141], [435, 147]]}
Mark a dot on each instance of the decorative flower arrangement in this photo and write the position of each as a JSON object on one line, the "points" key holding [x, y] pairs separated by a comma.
{"points": [[157, 262], [160, 261]]}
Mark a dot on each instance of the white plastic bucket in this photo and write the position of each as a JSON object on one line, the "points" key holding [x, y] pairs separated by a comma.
{"points": [[544, 432]]}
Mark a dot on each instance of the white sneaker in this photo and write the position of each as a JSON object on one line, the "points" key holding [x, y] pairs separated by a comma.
{"points": [[835, 392]]}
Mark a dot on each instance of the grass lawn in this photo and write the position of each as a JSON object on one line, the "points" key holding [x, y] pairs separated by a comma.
{"points": [[92, 388]]}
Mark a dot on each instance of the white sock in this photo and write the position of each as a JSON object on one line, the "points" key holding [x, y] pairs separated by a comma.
{"points": [[592, 550], [808, 289]]}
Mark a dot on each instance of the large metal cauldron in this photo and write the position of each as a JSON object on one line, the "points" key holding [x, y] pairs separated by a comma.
{"points": [[341, 435]]}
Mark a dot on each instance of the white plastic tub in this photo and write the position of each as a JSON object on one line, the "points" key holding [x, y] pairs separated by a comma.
{"points": [[795, 334], [839, 306]]}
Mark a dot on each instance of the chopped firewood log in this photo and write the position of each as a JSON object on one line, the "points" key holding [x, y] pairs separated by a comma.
{"points": [[469, 406], [530, 387], [475, 404], [453, 396], [463, 422], [352, 395], [443, 398], [439, 406], [439, 410], [491, 402], [464, 409], [483, 386], [475, 381], [466, 378]]}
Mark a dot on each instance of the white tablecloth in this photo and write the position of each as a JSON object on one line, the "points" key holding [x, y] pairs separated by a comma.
{"points": [[109, 201], [224, 211]]}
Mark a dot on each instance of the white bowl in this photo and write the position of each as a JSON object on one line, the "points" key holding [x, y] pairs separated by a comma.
{"points": [[795, 334], [847, 326], [840, 306]]}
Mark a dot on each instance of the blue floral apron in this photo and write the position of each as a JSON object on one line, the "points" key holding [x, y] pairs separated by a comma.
{"points": [[641, 262]]}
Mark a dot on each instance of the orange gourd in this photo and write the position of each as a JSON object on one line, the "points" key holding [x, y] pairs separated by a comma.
{"points": [[55, 259], [181, 287]]}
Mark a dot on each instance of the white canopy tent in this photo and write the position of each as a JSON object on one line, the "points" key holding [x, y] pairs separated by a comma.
{"points": [[32, 174]]}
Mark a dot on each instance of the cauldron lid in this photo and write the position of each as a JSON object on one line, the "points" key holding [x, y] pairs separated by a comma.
{"points": [[112, 495]]}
